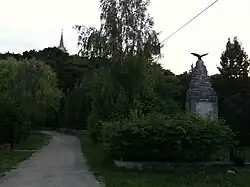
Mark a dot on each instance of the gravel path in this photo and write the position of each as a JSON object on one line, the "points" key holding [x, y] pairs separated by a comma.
{"points": [[60, 164]]}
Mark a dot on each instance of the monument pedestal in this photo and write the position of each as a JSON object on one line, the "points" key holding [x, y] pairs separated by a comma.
{"points": [[206, 108]]}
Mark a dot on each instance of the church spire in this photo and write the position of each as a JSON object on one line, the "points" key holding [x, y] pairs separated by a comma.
{"points": [[61, 45]]}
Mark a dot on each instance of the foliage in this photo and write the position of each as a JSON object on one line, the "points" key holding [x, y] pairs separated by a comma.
{"points": [[95, 127], [75, 109], [232, 87], [14, 125], [91, 41], [185, 79], [156, 137], [68, 69], [32, 85], [234, 104], [36, 85], [105, 171], [234, 61], [126, 30], [133, 85]]}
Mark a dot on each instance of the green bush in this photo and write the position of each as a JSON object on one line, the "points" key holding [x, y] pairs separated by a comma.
{"points": [[95, 127], [33, 85], [135, 84], [75, 109], [14, 125], [156, 137]]}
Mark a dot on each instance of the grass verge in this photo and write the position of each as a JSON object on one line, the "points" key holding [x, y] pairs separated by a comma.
{"points": [[106, 172], [11, 158], [34, 142]]}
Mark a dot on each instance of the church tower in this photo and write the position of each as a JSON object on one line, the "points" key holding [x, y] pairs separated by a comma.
{"points": [[61, 45]]}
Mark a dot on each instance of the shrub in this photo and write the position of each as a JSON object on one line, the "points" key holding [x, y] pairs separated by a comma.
{"points": [[156, 137], [14, 125], [33, 85], [95, 127], [75, 109], [134, 84]]}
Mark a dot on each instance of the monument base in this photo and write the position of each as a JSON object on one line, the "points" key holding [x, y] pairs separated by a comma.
{"points": [[205, 108]]}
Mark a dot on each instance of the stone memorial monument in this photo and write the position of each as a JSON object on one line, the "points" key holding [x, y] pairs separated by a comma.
{"points": [[201, 97]]}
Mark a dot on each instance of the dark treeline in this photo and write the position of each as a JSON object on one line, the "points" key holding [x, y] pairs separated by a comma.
{"points": [[118, 92], [75, 74]]}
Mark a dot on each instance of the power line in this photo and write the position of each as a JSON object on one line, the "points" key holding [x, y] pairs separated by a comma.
{"points": [[189, 21]]}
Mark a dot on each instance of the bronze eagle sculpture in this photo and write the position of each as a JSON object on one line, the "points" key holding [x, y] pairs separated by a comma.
{"points": [[199, 56]]}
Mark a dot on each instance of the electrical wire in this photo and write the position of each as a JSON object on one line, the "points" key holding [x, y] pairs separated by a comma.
{"points": [[189, 21]]}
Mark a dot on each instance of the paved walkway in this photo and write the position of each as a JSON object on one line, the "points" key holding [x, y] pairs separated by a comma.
{"points": [[60, 164]]}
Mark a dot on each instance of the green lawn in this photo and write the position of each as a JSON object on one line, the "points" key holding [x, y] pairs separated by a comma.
{"points": [[34, 142], [105, 171], [11, 158]]}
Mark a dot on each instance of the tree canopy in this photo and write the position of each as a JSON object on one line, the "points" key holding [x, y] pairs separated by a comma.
{"points": [[126, 29], [234, 60]]}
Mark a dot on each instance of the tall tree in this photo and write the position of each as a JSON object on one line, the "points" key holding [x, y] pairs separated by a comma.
{"points": [[126, 29], [234, 61]]}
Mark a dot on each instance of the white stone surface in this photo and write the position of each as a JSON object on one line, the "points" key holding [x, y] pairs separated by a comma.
{"points": [[205, 109]]}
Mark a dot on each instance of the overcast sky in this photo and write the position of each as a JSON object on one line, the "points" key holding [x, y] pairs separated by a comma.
{"points": [[36, 24]]}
